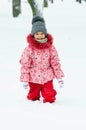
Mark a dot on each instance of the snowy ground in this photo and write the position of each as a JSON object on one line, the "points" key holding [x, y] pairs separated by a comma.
{"points": [[66, 21]]}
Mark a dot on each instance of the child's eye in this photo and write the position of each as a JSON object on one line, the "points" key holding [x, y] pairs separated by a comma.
{"points": [[36, 33], [42, 33]]}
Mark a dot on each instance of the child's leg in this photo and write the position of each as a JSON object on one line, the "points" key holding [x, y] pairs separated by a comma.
{"points": [[48, 92], [34, 92]]}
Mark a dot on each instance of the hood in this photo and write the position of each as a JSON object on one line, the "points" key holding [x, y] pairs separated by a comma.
{"points": [[35, 44]]}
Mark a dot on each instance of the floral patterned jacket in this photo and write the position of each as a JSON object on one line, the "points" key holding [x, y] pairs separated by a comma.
{"points": [[40, 62]]}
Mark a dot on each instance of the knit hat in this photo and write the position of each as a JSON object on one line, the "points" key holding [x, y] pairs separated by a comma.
{"points": [[38, 25]]}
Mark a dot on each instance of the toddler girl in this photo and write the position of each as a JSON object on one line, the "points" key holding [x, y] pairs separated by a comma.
{"points": [[40, 63]]}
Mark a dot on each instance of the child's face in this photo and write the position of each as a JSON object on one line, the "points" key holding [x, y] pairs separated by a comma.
{"points": [[39, 35]]}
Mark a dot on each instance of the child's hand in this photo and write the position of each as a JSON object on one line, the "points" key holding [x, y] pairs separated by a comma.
{"points": [[60, 82], [25, 85]]}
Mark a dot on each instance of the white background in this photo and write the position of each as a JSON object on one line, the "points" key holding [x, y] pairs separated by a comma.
{"points": [[66, 21]]}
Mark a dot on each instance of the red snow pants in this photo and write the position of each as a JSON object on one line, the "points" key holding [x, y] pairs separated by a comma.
{"points": [[46, 90]]}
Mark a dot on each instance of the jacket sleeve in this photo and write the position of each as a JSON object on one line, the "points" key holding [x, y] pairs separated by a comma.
{"points": [[25, 62], [55, 63]]}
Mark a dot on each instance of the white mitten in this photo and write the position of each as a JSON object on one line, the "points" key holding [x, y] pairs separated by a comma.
{"points": [[60, 82], [25, 85]]}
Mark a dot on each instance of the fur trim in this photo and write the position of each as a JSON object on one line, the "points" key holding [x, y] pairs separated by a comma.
{"points": [[34, 44]]}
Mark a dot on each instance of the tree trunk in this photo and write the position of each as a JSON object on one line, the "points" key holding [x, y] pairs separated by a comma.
{"points": [[16, 6], [79, 1], [45, 3], [51, 1], [37, 7]]}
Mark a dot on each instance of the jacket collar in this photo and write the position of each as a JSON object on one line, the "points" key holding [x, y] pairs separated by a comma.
{"points": [[35, 44]]}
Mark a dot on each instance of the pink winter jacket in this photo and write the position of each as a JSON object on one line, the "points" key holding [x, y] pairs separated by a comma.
{"points": [[40, 62]]}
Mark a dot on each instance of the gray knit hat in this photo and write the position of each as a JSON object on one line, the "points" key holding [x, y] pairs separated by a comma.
{"points": [[38, 25]]}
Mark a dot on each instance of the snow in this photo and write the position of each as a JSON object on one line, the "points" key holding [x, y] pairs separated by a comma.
{"points": [[66, 21]]}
